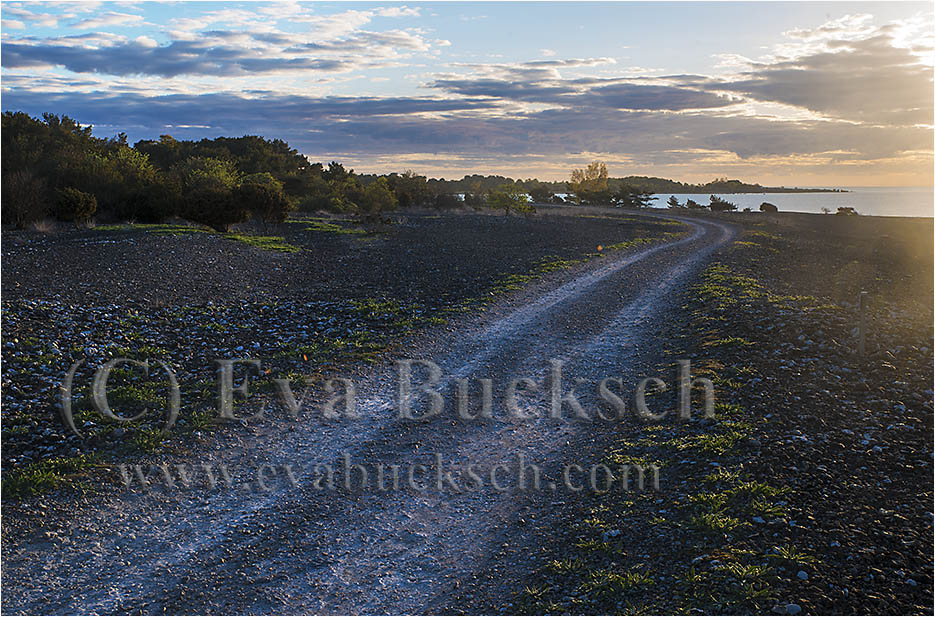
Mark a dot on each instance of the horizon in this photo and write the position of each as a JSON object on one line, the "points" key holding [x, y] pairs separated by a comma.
{"points": [[820, 95]]}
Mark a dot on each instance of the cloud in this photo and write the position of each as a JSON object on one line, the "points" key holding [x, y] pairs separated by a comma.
{"points": [[856, 72], [109, 18], [845, 93], [331, 44], [42, 20], [542, 82]]}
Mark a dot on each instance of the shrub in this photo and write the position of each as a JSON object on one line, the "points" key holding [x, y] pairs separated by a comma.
{"points": [[377, 197], [444, 201], [74, 206], [215, 207], [721, 205], [508, 197], [24, 198], [264, 201], [768, 207]]}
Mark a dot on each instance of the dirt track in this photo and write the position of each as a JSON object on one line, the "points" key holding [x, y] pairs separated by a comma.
{"points": [[295, 549]]}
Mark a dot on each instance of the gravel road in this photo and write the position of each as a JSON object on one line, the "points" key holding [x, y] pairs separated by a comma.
{"points": [[297, 548]]}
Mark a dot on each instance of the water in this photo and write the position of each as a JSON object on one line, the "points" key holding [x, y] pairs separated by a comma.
{"points": [[878, 201]]}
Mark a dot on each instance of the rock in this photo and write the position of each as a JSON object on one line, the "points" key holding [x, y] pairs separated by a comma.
{"points": [[803, 575], [793, 609]]}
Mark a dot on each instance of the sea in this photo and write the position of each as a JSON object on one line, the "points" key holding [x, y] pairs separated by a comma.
{"points": [[875, 201]]}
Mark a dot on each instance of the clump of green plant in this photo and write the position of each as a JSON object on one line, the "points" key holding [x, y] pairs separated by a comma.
{"points": [[267, 243], [44, 476], [610, 582], [791, 554], [154, 228], [323, 225]]}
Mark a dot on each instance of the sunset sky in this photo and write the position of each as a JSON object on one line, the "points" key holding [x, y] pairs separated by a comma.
{"points": [[811, 94]]}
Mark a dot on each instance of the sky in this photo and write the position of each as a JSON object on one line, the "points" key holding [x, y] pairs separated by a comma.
{"points": [[781, 93]]}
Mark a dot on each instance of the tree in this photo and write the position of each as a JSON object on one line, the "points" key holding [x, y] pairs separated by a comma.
{"points": [[376, 199], [721, 205], [629, 197], [411, 189], [691, 204], [24, 198], [673, 202], [541, 194], [264, 202], [508, 197], [446, 201], [74, 206], [768, 207], [208, 186], [590, 184]]}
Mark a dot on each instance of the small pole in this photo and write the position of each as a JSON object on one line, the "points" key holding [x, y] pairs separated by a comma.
{"points": [[862, 326]]}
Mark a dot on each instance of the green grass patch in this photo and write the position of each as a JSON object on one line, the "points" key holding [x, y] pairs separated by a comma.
{"points": [[267, 243], [45, 476], [324, 225], [155, 228]]}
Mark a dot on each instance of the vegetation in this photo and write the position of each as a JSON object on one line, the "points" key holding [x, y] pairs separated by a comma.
{"points": [[54, 166]]}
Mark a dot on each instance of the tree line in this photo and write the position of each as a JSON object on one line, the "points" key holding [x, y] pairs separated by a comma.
{"points": [[55, 167]]}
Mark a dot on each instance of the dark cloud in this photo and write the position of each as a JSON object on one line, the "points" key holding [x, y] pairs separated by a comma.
{"points": [[867, 80], [504, 89], [617, 95], [654, 98], [386, 126], [176, 58]]}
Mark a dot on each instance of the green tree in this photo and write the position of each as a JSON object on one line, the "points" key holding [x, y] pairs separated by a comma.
{"points": [[208, 186], [589, 185], [377, 198], [721, 205], [673, 202], [508, 197], [629, 197]]}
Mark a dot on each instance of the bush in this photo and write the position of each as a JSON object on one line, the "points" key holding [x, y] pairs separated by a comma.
{"points": [[475, 200], [74, 206], [721, 205], [377, 198], [152, 204], [264, 201], [508, 197], [768, 207], [216, 208], [24, 199], [541, 194], [446, 201]]}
